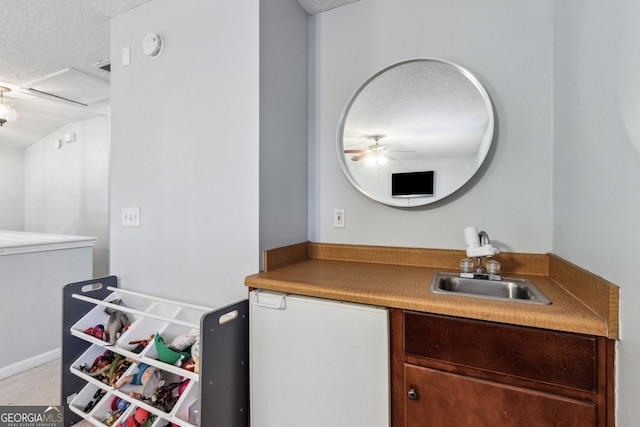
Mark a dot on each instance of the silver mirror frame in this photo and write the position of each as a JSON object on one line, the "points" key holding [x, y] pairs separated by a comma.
{"points": [[484, 144]]}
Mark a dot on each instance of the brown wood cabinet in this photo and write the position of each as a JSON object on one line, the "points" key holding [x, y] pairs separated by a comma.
{"points": [[451, 371]]}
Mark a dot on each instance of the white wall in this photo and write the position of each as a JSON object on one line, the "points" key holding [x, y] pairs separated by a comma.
{"points": [[12, 188], [508, 46], [597, 160], [66, 188], [185, 149]]}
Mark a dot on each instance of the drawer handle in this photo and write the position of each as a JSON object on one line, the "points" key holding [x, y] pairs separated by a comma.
{"points": [[412, 395]]}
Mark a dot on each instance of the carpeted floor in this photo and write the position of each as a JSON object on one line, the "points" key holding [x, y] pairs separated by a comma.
{"points": [[38, 386]]}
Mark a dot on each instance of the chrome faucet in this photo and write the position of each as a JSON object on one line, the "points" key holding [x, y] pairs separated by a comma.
{"points": [[478, 246], [484, 238], [484, 241]]}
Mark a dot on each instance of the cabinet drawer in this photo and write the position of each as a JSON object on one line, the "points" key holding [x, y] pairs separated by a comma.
{"points": [[564, 359], [442, 399]]}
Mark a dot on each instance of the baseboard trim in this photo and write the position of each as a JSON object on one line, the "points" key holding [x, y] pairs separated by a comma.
{"points": [[30, 363]]}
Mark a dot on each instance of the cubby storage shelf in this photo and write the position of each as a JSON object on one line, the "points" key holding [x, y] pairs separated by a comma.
{"points": [[181, 414], [217, 395]]}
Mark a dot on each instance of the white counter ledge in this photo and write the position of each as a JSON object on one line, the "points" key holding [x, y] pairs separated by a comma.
{"points": [[19, 242]]}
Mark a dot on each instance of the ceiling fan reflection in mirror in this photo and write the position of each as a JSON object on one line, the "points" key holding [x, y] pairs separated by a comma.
{"points": [[7, 111], [376, 154]]}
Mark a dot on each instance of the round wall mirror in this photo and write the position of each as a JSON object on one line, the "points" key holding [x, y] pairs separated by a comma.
{"points": [[415, 132]]}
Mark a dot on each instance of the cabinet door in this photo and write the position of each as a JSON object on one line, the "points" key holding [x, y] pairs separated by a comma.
{"points": [[440, 399], [318, 363]]}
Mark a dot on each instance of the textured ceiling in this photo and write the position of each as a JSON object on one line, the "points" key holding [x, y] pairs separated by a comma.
{"points": [[42, 37], [316, 6]]}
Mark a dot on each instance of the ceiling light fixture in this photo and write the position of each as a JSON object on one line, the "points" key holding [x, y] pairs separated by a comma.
{"points": [[7, 112], [377, 154]]}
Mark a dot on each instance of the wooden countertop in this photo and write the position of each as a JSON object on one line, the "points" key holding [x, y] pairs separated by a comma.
{"points": [[400, 278]]}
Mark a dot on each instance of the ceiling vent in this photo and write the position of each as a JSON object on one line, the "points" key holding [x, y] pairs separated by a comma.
{"points": [[70, 86], [103, 65]]}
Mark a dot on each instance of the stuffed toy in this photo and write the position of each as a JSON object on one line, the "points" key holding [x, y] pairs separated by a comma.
{"points": [[184, 341], [168, 355], [147, 376], [117, 322]]}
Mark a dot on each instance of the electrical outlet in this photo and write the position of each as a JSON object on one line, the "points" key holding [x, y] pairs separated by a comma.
{"points": [[131, 217], [126, 55], [338, 218]]}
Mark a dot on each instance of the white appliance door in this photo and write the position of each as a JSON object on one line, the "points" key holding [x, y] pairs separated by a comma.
{"points": [[317, 362]]}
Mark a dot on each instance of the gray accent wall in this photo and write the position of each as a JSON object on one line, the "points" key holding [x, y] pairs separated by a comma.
{"points": [[596, 169]]}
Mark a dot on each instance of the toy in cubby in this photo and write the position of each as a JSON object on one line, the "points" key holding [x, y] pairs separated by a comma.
{"points": [[149, 377], [97, 397], [195, 356], [139, 418], [86, 400], [99, 405], [166, 396], [117, 323], [140, 345], [178, 350], [105, 325], [153, 386], [107, 367], [117, 407]]}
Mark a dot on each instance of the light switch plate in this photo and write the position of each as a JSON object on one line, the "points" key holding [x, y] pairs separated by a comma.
{"points": [[131, 217]]}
